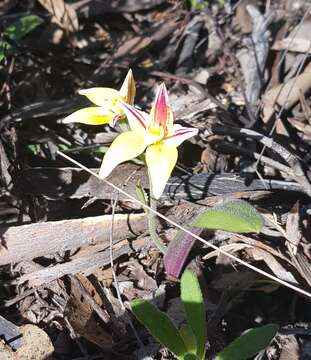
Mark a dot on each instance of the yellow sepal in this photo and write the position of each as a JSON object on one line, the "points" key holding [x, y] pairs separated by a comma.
{"points": [[126, 146], [161, 160], [90, 116]]}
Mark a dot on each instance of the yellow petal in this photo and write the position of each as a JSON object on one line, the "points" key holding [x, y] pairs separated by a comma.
{"points": [[90, 116], [161, 160], [128, 89], [126, 146], [101, 96]]}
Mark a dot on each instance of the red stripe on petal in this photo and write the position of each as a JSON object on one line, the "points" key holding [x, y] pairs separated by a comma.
{"points": [[181, 132], [135, 113]]}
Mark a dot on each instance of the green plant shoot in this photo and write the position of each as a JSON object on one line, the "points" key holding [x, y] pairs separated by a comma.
{"points": [[16, 31], [189, 343]]}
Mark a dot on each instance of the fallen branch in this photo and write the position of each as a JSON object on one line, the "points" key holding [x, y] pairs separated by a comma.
{"points": [[27, 242], [60, 183]]}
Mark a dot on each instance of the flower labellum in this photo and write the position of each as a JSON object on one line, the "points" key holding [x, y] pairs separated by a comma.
{"points": [[154, 133], [107, 101]]}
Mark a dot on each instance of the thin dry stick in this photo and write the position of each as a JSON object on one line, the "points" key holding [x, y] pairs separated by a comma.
{"points": [[113, 211], [113, 205], [233, 257]]}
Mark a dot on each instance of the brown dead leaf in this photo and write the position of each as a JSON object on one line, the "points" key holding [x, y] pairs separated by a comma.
{"points": [[242, 18], [133, 48], [293, 44], [286, 95], [298, 40], [81, 314], [63, 14], [302, 265], [276, 267], [138, 273], [104, 276]]}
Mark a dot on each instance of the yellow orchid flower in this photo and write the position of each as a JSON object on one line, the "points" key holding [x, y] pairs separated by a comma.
{"points": [[108, 109], [155, 133]]}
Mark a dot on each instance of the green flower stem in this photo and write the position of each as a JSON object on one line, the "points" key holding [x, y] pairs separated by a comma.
{"points": [[152, 226]]}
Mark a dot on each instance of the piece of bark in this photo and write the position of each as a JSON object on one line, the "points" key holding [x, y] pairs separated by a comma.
{"points": [[191, 35], [80, 264], [74, 183], [27, 242], [42, 109], [10, 333], [254, 55]]}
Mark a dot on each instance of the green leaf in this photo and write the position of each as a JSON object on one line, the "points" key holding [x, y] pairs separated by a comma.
{"points": [[3, 48], [249, 344], [34, 148], [22, 27], [160, 326], [141, 194], [190, 356], [192, 299], [18, 30], [101, 149], [235, 216], [189, 338]]}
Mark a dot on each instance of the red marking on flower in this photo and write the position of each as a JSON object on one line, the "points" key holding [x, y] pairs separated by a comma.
{"points": [[161, 107], [136, 114], [179, 133]]}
